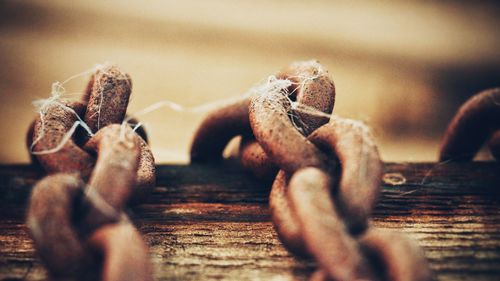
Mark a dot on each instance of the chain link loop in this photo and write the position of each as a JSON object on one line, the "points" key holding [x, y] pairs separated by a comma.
{"points": [[328, 181], [80, 230], [477, 121]]}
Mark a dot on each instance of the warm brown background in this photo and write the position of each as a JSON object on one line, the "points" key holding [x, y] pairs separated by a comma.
{"points": [[403, 67]]}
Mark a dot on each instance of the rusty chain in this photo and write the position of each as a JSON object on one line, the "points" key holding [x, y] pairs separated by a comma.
{"points": [[328, 176], [76, 214], [477, 121]]}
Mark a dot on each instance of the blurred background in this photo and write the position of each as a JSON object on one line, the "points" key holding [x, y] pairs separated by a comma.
{"points": [[403, 67]]}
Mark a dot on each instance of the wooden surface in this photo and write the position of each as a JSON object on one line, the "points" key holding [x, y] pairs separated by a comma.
{"points": [[212, 223]]}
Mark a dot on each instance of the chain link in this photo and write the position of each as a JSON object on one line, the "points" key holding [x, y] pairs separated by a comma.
{"points": [[477, 121], [80, 229], [328, 180]]}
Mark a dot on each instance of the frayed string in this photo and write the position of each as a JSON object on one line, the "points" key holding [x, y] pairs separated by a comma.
{"points": [[66, 136], [270, 85], [42, 106], [428, 174], [61, 144]]}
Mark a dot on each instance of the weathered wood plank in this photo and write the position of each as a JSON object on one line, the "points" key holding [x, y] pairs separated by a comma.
{"points": [[212, 223]]}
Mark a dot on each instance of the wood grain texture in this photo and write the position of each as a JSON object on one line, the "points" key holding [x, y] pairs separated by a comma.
{"points": [[212, 223]]}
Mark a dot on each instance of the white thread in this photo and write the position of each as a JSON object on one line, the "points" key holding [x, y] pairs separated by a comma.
{"points": [[270, 85], [43, 105], [57, 92], [136, 126], [61, 144], [428, 174]]}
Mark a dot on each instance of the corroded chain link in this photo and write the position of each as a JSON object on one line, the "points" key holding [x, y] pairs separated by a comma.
{"points": [[328, 180], [75, 214], [477, 121]]}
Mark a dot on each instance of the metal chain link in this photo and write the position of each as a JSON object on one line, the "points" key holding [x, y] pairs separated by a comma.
{"points": [[328, 181], [80, 230], [477, 121]]}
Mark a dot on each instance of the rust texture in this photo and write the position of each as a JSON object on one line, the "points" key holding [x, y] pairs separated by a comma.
{"points": [[476, 121], [328, 181], [75, 214]]}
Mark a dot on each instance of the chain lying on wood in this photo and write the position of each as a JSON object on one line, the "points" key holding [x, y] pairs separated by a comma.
{"points": [[328, 180], [477, 121], [80, 229]]}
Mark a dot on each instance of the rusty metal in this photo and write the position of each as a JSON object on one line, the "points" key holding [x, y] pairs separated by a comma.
{"points": [[328, 183], [218, 128], [310, 87], [361, 169], [123, 252], [79, 229], [401, 257], [284, 218], [50, 130], [476, 121], [494, 145], [49, 219], [283, 143], [255, 159], [324, 231], [108, 99]]}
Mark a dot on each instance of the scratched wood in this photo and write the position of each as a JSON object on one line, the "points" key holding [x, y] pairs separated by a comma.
{"points": [[212, 223]]}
